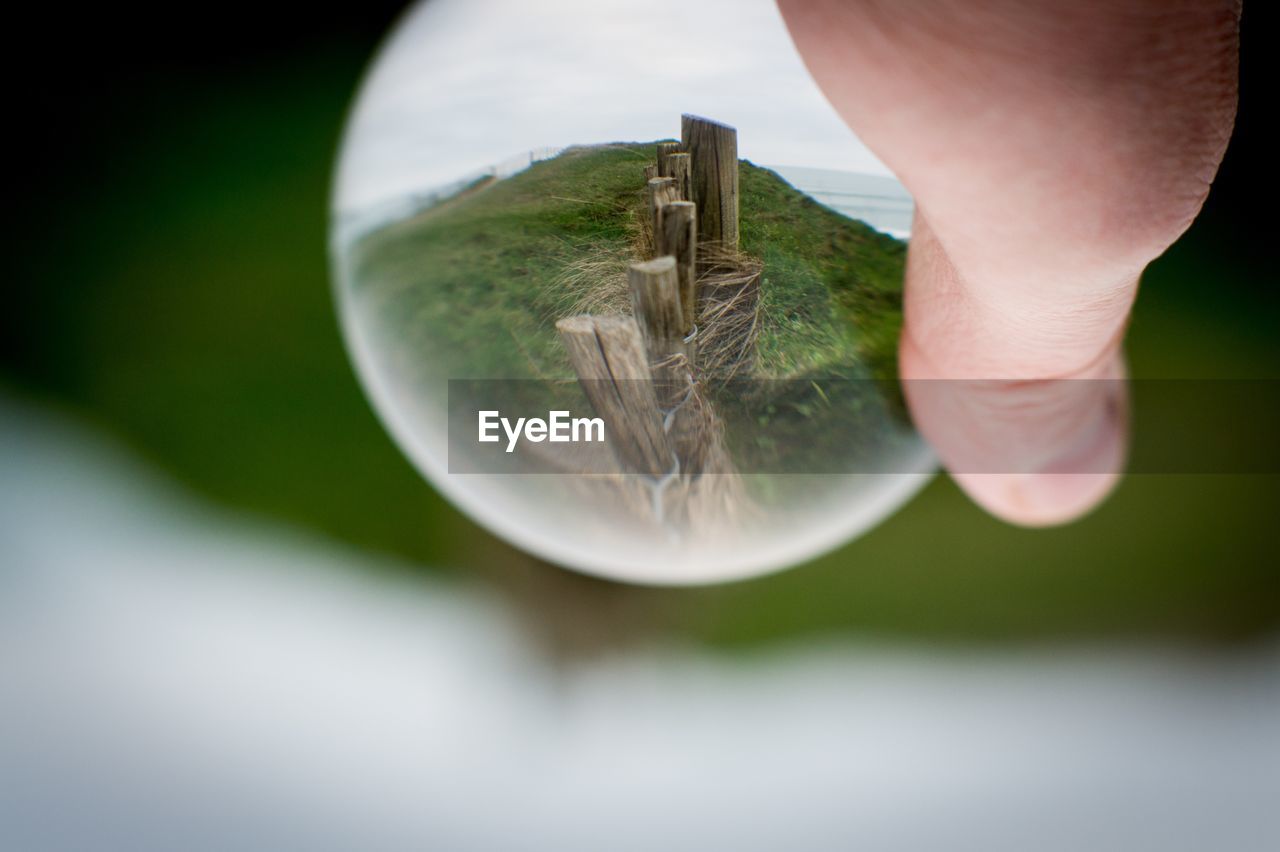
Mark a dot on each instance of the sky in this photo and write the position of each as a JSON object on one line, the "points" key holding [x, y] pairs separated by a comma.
{"points": [[462, 85]]}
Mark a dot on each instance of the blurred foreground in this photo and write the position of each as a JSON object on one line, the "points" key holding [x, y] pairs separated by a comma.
{"points": [[172, 677]]}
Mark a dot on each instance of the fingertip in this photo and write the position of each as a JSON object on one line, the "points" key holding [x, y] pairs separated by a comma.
{"points": [[1038, 499], [1032, 453]]}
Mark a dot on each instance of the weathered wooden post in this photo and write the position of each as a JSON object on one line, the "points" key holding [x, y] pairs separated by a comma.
{"points": [[608, 354], [713, 155], [655, 299], [678, 167], [650, 172], [677, 236], [662, 191], [666, 150]]}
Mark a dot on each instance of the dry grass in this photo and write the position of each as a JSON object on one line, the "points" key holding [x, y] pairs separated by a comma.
{"points": [[593, 277], [728, 312], [707, 497], [594, 281]]}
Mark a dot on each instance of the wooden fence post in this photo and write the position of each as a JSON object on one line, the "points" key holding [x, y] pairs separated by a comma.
{"points": [[655, 296], [609, 356], [678, 167], [650, 172], [655, 299], [666, 150], [677, 236], [662, 191], [713, 155]]}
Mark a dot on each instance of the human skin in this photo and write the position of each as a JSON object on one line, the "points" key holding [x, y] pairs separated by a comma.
{"points": [[1053, 149]]}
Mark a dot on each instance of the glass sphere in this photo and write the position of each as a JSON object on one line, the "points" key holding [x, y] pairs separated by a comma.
{"points": [[624, 287]]}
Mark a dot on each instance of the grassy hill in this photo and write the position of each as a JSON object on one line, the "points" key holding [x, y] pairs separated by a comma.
{"points": [[473, 286]]}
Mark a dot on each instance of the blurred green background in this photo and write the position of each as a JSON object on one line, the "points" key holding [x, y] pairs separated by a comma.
{"points": [[170, 286]]}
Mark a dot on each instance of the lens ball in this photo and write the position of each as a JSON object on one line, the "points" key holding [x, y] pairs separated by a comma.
{"points": [[623, 286]]}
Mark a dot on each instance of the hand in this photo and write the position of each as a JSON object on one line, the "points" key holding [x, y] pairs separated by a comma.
{"points": [[1053, 149]]}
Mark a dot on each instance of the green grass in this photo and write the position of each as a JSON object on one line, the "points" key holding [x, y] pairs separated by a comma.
{"points": [[472, 288], [831, 296]]}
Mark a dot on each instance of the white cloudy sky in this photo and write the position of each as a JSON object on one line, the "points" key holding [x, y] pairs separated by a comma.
{"points": [[464, 84]]}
